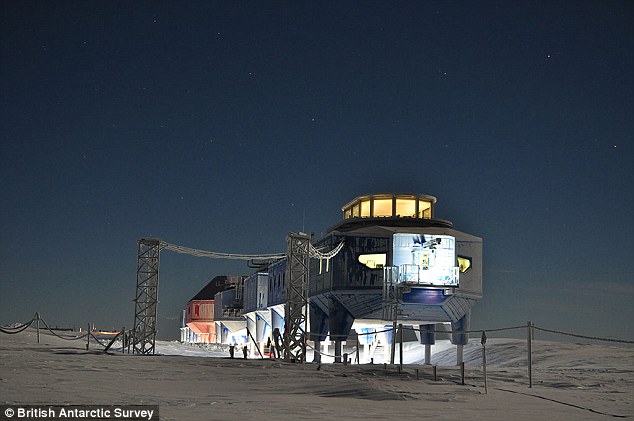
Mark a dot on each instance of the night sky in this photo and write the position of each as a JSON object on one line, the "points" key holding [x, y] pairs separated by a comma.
{"points": [[226, 125]]}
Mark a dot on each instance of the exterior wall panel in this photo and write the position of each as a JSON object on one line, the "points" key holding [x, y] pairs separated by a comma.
{"points": [[199, 311], [276, 283]]}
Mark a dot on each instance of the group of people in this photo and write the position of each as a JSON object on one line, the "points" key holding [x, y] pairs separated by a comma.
{"points": [[269, 350]]}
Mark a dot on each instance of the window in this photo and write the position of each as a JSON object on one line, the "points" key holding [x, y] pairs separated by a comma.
{"points": [[425, 259], [424, 209], [347, 214], [464, 263], [382, 207], [365, 209], [356, 211], [373, 261], [406, 207]]}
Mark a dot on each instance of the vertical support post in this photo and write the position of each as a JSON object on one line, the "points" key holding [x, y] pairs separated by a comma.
{"points": [[317, 352], [529, 336], [462, 373], [400, 344], [390, 304], [435, 372], [393, 347], [146, 300], [427, 336], [459, 354], [484, 360], [37, 325], [88, 337]]}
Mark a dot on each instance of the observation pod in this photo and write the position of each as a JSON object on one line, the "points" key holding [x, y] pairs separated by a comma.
{"points": [[399, 263]]}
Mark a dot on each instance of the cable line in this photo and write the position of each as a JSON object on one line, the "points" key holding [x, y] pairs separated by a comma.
{"points": [[216, 255], [313, 252]]}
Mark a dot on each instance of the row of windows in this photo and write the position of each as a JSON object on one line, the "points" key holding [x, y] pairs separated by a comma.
{"points": [[387, 207]]}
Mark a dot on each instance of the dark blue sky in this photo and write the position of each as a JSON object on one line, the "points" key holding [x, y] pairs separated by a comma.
{"points": [[225, 125]]}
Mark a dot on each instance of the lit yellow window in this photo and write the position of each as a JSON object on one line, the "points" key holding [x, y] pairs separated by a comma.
{"points": [[406, 207], [464, 264], [382, 207], [365, 209], [373, 261], [424, 209], [355, 211], [347, 214]]}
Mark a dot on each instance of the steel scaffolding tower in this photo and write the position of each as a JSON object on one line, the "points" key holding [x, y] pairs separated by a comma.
{"points": [[147, 277], [296, 306]]}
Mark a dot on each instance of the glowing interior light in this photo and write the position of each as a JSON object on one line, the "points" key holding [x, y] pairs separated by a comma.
{"points": [[464, 263], [365, 209], [390, 206], [427, 259], [355, 211], [373, 261], [383, 207], [424, 209], [406, 207]]}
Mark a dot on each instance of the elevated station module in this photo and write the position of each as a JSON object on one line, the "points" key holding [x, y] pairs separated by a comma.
{"points": [[398, 263]]}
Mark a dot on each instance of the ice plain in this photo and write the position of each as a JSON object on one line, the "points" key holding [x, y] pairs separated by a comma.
{"points": [[570, 381]]}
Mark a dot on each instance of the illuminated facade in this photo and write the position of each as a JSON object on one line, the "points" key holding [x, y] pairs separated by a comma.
{"points": [[398, 262], [198, 325]]}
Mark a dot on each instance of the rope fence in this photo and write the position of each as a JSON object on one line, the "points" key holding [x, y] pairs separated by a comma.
{"points": [[11, 330], [74, 338], [127, 337], [480, 331], [37, 320], [574, 335], [16, 329]]}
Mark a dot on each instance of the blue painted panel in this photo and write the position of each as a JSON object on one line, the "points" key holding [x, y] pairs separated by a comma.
{"points": [[263, 328], [460, 325], [427, 334], [366, 335], [424, 296], [277, 320]]}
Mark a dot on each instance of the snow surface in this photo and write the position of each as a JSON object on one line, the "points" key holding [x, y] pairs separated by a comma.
{"points": [[570, 381]]}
